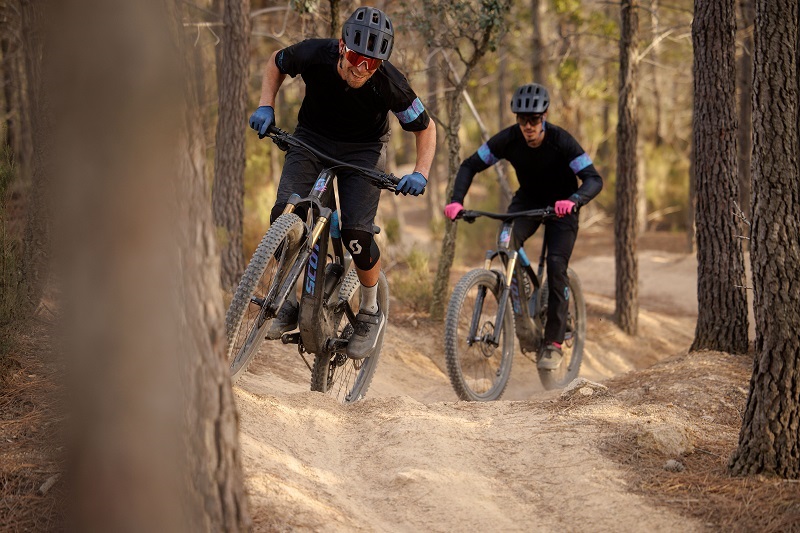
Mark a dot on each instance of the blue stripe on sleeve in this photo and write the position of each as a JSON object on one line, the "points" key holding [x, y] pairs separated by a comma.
{"points": [[411, 113], [486, 155], [580, 162]]}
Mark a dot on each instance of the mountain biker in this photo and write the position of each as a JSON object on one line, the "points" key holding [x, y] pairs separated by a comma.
{"points": [[547, 160], [350, 88]]}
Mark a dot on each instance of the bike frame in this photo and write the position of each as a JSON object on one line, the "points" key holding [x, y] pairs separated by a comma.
{"points": [[514, 262], [318, 304]]}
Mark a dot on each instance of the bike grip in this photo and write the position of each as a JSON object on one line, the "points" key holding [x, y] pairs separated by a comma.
{"points": [[272, 128]]}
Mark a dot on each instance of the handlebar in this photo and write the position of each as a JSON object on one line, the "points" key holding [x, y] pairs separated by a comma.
{"points": [[540, 214], [284, 139]]}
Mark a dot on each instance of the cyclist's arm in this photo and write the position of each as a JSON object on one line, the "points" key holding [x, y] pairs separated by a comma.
{"points": [[591, 185], [469, 167], [581, 164], [271, 81], [426, 148]]}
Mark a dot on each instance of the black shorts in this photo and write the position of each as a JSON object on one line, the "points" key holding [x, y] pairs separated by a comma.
{"points": [[358, 198]]}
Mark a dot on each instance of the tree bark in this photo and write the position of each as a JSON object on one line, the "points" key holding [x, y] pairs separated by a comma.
{"points": [[538, 51], [155, 437], [36, 241], [769, 441], [721, 298], [229, 163], [626, 261]]}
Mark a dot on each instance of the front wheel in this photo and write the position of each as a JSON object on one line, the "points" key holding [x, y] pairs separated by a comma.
{"points": [[575, 336], [246, 322], [478, 367], [336, 374]]}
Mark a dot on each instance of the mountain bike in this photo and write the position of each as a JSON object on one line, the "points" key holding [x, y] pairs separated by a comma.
{"points": [[489, 306], [295, 246]]}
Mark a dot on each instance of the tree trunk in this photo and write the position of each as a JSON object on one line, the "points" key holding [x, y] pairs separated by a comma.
{"points": [[503, 99], [229, 163], [155, 443], [447, 253], [627, 268], [36, 241], [658, 127], [769, 442], [745, 82], [538, 51], [336, 27], [433, 191], [721, 300]]}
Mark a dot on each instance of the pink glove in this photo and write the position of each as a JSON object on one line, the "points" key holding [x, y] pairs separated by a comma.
{"points": [[563, 207], [452, 210]]}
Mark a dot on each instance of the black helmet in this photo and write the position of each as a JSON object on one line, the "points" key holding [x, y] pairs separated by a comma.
{"points": [[530, 98], [369, 32]]}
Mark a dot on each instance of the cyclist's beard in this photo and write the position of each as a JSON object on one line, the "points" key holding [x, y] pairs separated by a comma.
{"points": [[346, 72]]}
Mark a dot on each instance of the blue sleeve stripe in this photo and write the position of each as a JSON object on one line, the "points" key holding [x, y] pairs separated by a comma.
{"points": [[486, 155], [411, 113], [580, 162]]}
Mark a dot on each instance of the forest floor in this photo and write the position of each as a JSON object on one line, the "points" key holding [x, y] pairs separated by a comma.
{"points": [[410, 457]]}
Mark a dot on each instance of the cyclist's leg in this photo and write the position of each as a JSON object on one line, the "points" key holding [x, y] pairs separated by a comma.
{"points": [[359, 204], [299, 173], [560, 235], [523, 227]]}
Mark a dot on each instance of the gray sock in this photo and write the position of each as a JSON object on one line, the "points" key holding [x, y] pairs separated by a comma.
{"points": [[369, 299]]}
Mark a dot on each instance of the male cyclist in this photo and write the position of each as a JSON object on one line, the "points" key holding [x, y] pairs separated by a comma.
{"points": [[350, 88], [547, 160]]}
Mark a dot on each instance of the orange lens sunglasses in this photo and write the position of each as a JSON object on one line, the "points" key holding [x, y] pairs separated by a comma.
{"points": [[356, 59]]}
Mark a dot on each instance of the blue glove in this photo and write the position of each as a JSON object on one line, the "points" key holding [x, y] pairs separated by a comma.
{"points": [[413, 184], [261, 119]]}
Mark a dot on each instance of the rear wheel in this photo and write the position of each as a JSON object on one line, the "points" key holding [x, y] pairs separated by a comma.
{"points": [[478, 369], [575, 336], [336, 374], [246, 322]]}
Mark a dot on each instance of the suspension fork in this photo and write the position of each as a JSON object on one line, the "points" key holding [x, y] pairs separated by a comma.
{"points": [[511, 264]]}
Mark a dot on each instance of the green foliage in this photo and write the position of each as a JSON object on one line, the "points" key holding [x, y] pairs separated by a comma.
{"points": [[305, 6], [391, 229], [413, 286], [467, 26]]}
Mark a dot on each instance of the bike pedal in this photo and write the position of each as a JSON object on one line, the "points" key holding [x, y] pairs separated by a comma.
{"points": [[291, 338]]}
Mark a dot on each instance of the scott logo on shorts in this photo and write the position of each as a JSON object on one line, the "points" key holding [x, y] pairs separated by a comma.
{"points": [[320, 185]]}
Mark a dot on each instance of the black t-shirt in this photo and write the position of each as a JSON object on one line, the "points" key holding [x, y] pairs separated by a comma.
{"points": [[546, 174], [334, 110]]}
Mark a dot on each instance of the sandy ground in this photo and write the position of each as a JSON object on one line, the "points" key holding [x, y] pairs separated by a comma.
{"points": [[411, 458]]}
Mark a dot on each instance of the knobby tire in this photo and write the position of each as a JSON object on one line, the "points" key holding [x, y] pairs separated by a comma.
{"points": [[245, 323], [336, 374], [478, 372], [572, 347]]}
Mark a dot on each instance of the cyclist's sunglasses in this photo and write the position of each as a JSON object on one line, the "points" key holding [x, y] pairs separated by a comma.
{"points": [[529, 119], [356, 59]]}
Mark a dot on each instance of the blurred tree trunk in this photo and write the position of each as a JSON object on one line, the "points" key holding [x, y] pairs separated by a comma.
{"points": [[538, 50], [503, 99], [36, 242], [769, 442], [438, 174], [745, 83], [626, 312], [658, 127], [154, 444], [721, 300], [229, 162], [336, 26], [10, 136]]}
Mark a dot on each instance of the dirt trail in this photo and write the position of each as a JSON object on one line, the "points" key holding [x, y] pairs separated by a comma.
{"points": [[411, 458]]}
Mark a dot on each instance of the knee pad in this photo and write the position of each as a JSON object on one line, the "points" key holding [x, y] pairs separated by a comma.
{"points": [[362, 247]]}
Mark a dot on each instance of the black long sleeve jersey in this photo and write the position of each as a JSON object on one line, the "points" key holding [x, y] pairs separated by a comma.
{"points": [[546, 174], [335, 110]]}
